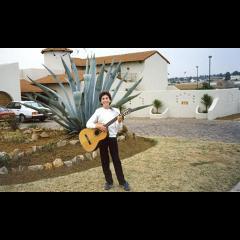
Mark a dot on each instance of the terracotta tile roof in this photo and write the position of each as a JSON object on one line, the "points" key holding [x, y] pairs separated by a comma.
{"points": [[49, 80], [56, 50], [27, 87], [130, 57]]}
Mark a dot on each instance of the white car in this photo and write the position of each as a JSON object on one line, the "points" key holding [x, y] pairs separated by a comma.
{"points": [[25, 113]]}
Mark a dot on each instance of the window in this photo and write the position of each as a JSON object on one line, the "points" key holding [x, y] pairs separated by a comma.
{"points": [[17, 106], [10, 105]]}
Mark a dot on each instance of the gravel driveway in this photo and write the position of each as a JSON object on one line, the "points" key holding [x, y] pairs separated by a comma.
{"points": [[222, 131]]}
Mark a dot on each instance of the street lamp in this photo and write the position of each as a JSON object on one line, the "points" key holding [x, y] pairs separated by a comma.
{"points": [[197, 76], [210, 62]]}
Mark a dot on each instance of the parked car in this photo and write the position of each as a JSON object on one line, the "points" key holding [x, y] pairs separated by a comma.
{"points": [[6, 114], [25, 113]]}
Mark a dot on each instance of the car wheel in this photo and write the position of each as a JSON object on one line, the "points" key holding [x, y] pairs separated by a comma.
{"points": [[22, 118]]}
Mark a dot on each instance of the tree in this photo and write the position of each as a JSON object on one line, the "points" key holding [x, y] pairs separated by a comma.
{"points": [[157, 104], [228, 76], [235, 73], [207, 101]]}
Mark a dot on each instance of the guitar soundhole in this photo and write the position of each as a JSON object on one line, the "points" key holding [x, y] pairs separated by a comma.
{"points": [[97, 132]]}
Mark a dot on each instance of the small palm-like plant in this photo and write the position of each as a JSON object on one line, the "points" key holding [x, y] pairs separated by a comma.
{"points": [[157, 104], [73, 111], [207, 101]]}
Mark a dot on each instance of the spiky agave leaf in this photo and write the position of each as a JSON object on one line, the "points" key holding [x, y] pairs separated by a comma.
{"points": [[98, 87], [118, 86], [125, 100], [67, 103]]}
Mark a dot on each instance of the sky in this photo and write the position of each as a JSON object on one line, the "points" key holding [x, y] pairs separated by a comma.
{"points": [[182, 59]]}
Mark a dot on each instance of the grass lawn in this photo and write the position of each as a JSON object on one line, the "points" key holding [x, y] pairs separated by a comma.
{"points": [[173, 164]]}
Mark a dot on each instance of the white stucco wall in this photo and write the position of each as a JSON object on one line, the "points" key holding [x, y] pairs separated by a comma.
{"points": [[155, 74], [33, 73], [183, 104], [55, 62], [9, 80]]}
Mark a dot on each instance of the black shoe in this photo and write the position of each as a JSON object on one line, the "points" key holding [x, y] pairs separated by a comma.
{"points": [[126, 187], [108, 186]]}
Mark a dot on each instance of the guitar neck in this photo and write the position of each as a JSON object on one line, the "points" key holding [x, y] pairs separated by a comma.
{"points": [[123, 114], [112, 121]]}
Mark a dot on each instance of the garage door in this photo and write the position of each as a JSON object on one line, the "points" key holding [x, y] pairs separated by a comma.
{"points": [[4, 99]]}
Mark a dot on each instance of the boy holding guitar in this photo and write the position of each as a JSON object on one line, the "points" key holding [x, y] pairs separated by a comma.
{"points": [[98, 121]]}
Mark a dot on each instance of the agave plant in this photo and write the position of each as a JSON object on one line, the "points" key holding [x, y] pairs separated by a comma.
{"points": [[72, 112]]}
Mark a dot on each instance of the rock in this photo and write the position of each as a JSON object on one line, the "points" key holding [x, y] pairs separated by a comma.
{"points": [[35, 168], [121, 138], [37, 130], [20, 155], [44, 135], [34, 137], [95, 154], [28, 131], [34, 149], [74, 142], [39, 148], [81, 157], [3, 171], [62, 143], [76, 160], [48, 166], [21, 168], [68, 163], [14, 154], [89, 156], [58, 163]]}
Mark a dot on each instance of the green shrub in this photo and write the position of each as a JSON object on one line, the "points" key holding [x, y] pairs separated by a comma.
{"points": [[4, 159]]}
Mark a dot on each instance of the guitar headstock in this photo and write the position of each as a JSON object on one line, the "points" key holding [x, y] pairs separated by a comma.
{"points": [[126, 112]]}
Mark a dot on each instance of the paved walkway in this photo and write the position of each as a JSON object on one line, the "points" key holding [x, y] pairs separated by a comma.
{"points": [[222, 131]]}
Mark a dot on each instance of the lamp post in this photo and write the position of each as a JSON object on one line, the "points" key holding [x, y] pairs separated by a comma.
{"points": [[210, 62], [197, 76]]}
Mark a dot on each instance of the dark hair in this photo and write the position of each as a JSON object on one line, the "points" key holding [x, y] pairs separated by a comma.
{"points": [[105, 94]]}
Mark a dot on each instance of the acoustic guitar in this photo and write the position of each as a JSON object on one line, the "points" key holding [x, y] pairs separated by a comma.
{"points": [[91, 138]]}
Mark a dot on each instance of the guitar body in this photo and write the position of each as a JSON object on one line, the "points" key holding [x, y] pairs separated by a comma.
{"points": [[90, 138]]}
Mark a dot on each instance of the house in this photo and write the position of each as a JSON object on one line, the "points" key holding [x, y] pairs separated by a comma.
{"points": [[9, 83], [150, 65]]}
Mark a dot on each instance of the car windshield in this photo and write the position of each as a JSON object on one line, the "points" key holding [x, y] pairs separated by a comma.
{"points": [[34, 104]]}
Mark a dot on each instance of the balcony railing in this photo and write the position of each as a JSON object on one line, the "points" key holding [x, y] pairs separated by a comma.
{"points": [[130, 77]]}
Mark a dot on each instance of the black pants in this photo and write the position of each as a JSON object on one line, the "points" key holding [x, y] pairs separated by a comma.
{"points": [[112, 145]]}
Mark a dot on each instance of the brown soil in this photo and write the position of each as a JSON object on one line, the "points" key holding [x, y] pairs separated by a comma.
{"points": [[235, 117], [127, 149], [9, 146]]}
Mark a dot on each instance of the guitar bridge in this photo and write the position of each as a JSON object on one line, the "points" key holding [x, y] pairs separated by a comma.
{"points": [[89, 142]]}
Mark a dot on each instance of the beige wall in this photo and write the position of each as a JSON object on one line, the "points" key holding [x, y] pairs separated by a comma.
{"points": [[155, 74], [53, 61], [9, 80]]}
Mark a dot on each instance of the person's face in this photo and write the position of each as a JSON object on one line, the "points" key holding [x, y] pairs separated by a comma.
{"points": [[105, 101]]}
